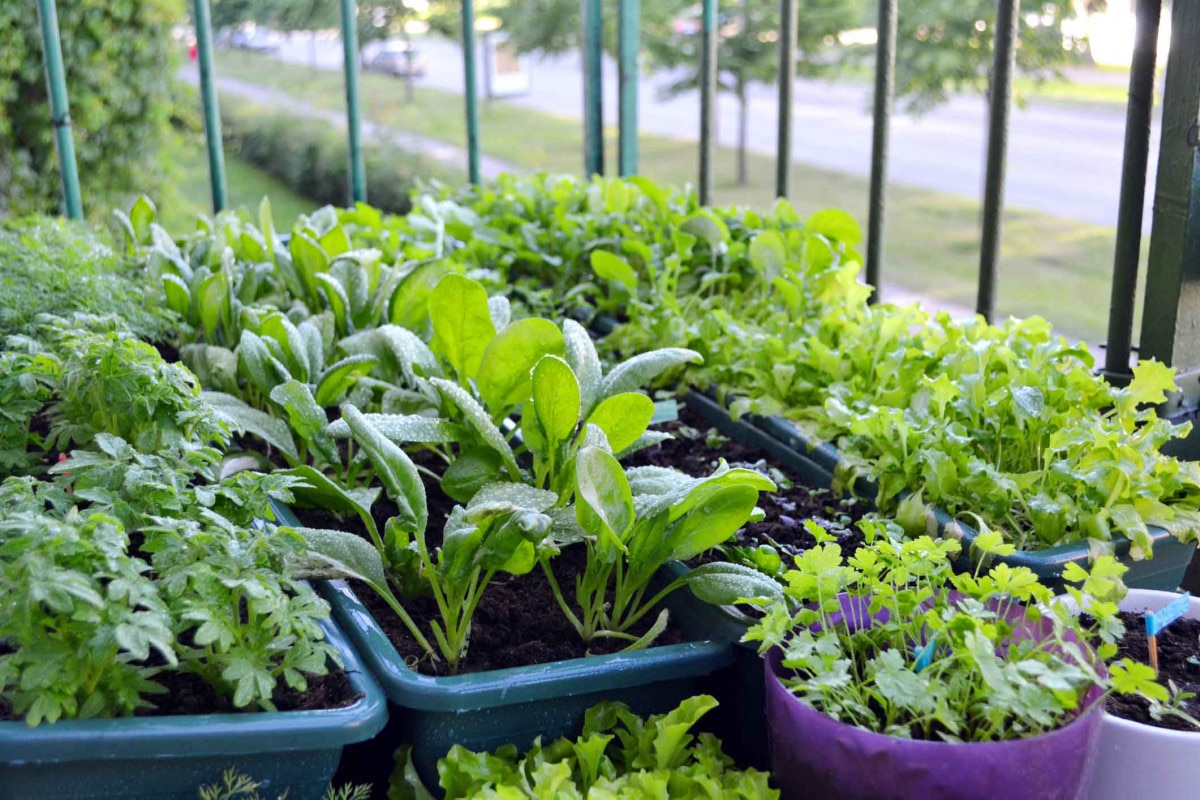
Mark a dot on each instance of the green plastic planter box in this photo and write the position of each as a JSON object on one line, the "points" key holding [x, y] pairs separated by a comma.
{"points": [[170, 758], [485, 710], [1164, 571]]}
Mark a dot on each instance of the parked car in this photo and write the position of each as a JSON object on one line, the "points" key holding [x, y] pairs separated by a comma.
{"points": [[260, 40], [400, 59]]}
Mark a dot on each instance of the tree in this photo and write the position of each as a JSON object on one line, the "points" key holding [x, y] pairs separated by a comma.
{"points": [[945, 47], [747, 49], [300, 15], [119, 61]]}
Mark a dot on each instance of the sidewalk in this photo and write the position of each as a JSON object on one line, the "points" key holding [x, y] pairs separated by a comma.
{"points": [[441, 151]]}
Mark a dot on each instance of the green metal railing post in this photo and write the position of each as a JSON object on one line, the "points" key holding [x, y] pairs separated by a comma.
{"points": [[469, 90], [593, 94], [999, 107], [885, 91], [358, 172], [708, 91], [1133, 191], [60, 109], [1171, 318], [628, 20], [208, 96], [787, 96]]}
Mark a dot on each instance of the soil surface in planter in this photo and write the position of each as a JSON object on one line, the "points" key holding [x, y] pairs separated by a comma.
{"points": [[1176, 645], [786, 510], [518, 621], [189, 694]]}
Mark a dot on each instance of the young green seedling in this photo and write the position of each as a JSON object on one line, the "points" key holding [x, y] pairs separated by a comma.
{"points": [[632, 530]]}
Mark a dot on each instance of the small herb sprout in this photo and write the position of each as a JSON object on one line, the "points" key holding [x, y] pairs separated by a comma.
{"points": [[237, 786], [1172, 705], [1006, 661]]}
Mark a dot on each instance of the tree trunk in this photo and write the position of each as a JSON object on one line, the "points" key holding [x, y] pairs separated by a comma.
{"points": [[743, 176]]}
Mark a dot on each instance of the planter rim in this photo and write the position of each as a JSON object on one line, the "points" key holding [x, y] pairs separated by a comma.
{"points": [[1154, 598], [1092, 708], [206, 734], [504, 687]]}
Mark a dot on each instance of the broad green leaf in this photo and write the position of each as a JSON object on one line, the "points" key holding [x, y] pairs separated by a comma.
{"points": [[613, 268], [250, 420], [836, 225], [556, 398], [402, 428], [394, 469], [768, 254], [634, 373], [471, 471], [604, 504], [141, 217], [505, 370], [255, 362], [339, 303], [341, 555], [704, 225], [306, 417], [584, 361], [179, 298], [722, 583], [319, 491], [335, 241], [336, 381], [623, 418], [501, 311], [713, 521], [309, 260], [409, 306], [216, 367], [478, 418], [213, 301], [413, 357], [288, 336], [520, 495], [462, 323]]}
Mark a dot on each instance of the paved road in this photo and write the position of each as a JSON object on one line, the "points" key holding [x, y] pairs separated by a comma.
{"points": [[1063, 160]]}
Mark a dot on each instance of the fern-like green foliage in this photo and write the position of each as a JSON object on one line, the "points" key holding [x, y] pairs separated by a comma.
{"points": [[58, 267]]}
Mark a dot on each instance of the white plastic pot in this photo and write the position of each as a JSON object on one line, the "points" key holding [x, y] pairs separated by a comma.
{"points": [[1137, 760]]}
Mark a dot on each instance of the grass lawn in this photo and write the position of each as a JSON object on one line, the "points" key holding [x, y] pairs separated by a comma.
{"points": [[186, 163], [933, 239]]}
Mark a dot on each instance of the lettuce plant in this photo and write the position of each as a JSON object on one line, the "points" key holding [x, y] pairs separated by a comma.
{"points": [[617, 754]]}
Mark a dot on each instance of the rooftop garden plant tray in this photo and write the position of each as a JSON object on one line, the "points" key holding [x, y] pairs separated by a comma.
{"points": [[167, 758]]}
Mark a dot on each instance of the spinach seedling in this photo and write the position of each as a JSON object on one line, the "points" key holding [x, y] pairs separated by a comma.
{"points": [[632, 525]]}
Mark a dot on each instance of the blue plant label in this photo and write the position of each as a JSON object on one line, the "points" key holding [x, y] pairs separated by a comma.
{"points": [[924, 655], [665, 411], [1157, 621]]}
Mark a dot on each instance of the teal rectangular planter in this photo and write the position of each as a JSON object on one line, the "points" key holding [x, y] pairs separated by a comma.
{"points": [[483, 711], [170, 758]]}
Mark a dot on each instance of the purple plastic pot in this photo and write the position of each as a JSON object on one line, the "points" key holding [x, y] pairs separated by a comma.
{"points": [[815, 756]]}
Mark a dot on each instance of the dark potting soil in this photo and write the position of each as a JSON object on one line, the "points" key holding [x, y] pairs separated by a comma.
{"points": [[1178, 661], [517, 623], [786, 510], [189, 695]]}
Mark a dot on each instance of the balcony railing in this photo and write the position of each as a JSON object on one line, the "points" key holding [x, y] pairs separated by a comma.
{"points": [[1171, 320]]}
